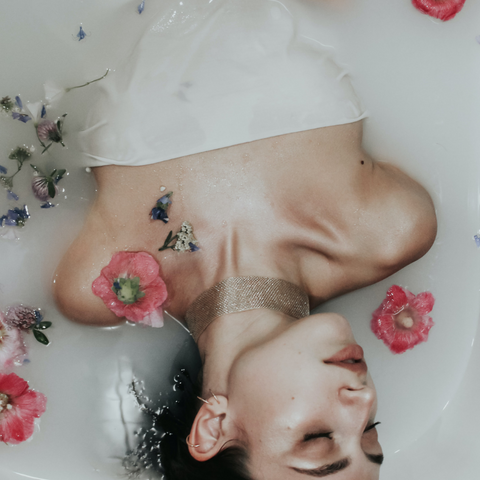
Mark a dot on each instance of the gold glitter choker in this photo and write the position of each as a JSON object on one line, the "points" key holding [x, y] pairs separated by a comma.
{"points": [[238, 294]]}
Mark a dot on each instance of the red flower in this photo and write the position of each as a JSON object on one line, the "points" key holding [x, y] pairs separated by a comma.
{"points": [[19, 407], [131, 287], [441, 9], [401, 321]]}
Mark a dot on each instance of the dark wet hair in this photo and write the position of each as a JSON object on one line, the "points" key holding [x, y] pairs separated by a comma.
{"points": [[163, 450]]}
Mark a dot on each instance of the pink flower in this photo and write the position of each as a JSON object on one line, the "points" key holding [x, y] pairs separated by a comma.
{"points": [[401, 321], [441, 9], [19, 407], [12, 348], [131, 287], [48, 131]]}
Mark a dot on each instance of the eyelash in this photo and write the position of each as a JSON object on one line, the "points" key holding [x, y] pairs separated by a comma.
{"points": [[313, 436]]}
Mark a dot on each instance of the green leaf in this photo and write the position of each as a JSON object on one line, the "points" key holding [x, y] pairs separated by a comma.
{"points": [[42, 325], [35, 168], [40, 337], [54, 172], [51, 190]]}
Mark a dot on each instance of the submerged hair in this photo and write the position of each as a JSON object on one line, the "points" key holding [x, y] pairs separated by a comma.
{"points": [[163, 450]]}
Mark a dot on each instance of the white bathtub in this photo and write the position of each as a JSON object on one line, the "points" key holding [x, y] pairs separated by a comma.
{"points": [[419, 79]]}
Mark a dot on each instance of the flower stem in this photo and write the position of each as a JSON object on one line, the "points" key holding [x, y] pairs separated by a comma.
{"points": [[88, 83]]}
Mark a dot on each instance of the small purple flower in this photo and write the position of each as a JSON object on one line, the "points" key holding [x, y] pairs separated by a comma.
{"points": [[81, 34], [3, 170], [23, 117], [11, 195], [141, 7], [44, 112], [47, 205], [16, 217], [477, 239], [193, 247], [159, 212]]}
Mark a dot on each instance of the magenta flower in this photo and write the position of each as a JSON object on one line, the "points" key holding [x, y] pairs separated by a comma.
{"points": [[401, 321], [131, 287], [441, 9], [19, 407], [12, 348]]}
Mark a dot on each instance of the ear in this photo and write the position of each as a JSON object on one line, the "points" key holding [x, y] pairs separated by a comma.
{"points": [[211, 429]]}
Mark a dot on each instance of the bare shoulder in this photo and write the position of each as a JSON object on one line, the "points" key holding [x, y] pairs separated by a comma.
{"points": [[79, 267], [403, 216]]}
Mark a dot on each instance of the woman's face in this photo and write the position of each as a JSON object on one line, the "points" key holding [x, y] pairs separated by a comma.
{"points": [[302, 416]]}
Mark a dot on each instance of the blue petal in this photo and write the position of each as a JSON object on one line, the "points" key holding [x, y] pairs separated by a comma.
{"points": [[81, 34], [13, 214], [38, 316], [21, 116], [47, 205], [10, 223], [18, 101], [477, 240], [193, 247], [44, 112], [11, 195], [141, 7], [3, 169]]}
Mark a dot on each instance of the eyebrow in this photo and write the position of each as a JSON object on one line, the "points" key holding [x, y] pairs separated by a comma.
{"points": [[335, 467], [325, 470]]}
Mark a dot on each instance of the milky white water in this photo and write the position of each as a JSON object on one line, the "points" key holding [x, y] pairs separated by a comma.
{"points": [[419, 79]]}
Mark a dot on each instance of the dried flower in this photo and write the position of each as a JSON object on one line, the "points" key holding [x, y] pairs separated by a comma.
{"points": [[20, 154], [19, 407], [185, 239], [131, 287], [441, 9], [20, 317], [6, 105], [48, 131], [401, 321], [15, 218], [141, 7], [159, 212], [81, 34], [12, 348]]}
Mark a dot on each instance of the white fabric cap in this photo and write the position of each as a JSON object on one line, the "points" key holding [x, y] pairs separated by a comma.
{"points": [[209, 74]]}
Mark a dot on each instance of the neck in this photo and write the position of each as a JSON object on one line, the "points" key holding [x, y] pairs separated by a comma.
{"points": [[231, 335]]}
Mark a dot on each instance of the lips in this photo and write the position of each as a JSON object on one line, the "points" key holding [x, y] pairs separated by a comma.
{"points": [[351, 358]]}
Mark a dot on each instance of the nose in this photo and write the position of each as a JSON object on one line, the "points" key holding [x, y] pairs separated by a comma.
{"points": [[361, 397]]}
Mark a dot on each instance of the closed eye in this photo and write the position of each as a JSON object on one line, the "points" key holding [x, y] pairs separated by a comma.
{"points": [[313, 436]]}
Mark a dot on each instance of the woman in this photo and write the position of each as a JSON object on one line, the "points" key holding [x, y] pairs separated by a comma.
{"points": [[263, 137]]}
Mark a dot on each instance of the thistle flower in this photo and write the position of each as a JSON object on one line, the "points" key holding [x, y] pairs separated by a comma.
{"points": [[44, 187], [21, 317], [12, 348], [49, 131]]}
